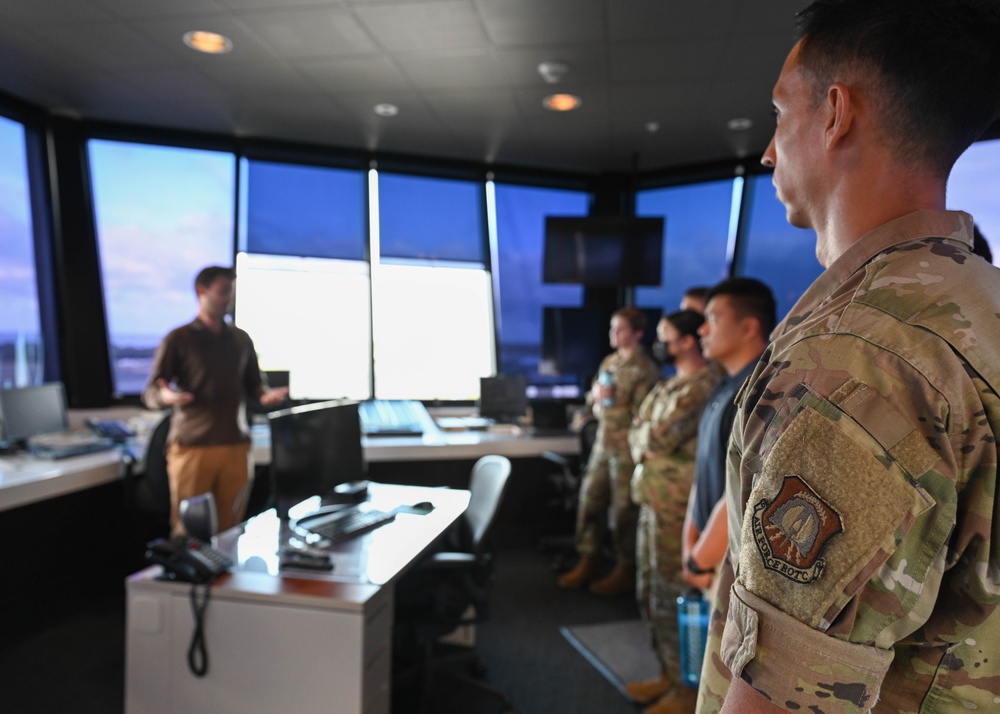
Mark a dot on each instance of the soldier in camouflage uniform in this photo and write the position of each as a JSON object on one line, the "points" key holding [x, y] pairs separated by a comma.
{"points": [[663, 439], [609, 471], [864, 525]]}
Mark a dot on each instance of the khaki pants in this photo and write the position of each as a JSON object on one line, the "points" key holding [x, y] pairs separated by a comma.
{"points": [[222, 470]]}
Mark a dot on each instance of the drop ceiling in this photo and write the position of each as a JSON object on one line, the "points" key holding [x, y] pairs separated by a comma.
{"points": [[462, 72]]}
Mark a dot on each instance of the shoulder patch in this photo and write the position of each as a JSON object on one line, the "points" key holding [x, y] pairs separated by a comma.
{"points": [[792, 530]]}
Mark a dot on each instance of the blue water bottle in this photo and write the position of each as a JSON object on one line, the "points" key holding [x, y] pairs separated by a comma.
{"points": [[692, 620], [606, 378]]}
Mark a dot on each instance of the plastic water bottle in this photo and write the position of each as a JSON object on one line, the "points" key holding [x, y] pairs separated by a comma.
{"points": [[692, 620], [607, 379]]}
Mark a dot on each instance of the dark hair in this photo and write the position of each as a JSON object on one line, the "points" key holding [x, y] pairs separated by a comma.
{"points": [[208, 275], [931, 69], [635, 317], [699, 292], [749, 298], [686, 322]]}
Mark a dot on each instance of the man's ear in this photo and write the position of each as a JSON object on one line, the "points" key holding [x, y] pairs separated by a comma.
{"points": [[840, 107]]}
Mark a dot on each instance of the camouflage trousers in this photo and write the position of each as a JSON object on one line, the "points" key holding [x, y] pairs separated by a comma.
{"points": [[607, 482], [715, 675], [662, 491]]}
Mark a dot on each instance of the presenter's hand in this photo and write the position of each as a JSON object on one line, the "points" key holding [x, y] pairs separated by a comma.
{"points": [[173, 398], [273, 396]]}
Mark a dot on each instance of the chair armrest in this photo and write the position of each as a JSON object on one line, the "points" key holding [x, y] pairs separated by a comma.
{"points": [[557, 459]]}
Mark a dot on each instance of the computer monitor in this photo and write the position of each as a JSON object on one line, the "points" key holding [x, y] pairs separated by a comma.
{"points": [[503, 398], [29, 411], [314, 448], [603, 251]]}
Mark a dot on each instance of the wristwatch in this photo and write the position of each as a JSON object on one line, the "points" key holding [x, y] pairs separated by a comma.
{"points": [[695, 569]]}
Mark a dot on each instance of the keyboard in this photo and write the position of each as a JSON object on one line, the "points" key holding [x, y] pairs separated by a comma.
{"points": [[345, 523], [63, 446], [392, 417]]}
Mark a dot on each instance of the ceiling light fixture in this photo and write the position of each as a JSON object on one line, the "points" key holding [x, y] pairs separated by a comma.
{"points": [[652, 127], [209, 42], [741, 124], [561, 102], [386, 110], [553, 72]]}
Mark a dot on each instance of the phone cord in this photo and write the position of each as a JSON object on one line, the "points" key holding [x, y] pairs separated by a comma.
{"points": [[197, 654]]}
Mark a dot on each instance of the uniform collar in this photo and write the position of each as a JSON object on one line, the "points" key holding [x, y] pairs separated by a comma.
{"points": [[949, 225]]}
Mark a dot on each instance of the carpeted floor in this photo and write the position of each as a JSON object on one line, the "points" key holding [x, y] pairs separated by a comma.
{"points": [[620, 651]]}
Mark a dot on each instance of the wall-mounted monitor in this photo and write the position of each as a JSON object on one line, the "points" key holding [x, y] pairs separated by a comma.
{"points": [[503, 398], [603, 251]]}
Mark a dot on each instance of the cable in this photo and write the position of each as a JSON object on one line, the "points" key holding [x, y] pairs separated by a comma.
{"points": [[197, 653]]}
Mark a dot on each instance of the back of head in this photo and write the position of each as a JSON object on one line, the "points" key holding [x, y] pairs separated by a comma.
{"points": [[207, 276], [749, 298], [931, 69]]}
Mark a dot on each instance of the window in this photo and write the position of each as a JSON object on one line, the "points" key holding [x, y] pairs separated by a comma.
{"points": [[432, 303], [698, 220], [304, 286], [520, 236], [162, 214], [20, 331], [974, 186], [775, 252]]}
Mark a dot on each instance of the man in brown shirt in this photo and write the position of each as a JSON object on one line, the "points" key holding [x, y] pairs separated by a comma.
{"points": [[205, 371]]}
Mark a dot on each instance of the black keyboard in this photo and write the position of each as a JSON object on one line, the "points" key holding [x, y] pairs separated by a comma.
{"points": [[346, 523]]}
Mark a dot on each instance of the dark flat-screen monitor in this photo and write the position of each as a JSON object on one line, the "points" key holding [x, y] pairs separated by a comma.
{"points": [[603, 251], [314, 448], [503, 398], [29, 411], [575, 339]]}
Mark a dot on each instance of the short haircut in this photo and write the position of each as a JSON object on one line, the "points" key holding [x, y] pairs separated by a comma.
{"points": [[697, 292], [633, 315], [931, 69], [208, 275], [749, 298], [686, 322]]}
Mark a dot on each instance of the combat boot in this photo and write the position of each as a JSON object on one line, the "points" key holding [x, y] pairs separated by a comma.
{"points": [[620, 580], [649, 690], [680, 700], [579, 576]]}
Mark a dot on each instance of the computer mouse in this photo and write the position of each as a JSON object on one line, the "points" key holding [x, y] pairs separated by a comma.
{"points": [[423, 507]]}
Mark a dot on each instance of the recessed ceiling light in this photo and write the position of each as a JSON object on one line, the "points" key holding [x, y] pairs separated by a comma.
{"points": [[553, 72], [561, 102], [386, 110], [739, 124], [652, 126], [210, 42]]}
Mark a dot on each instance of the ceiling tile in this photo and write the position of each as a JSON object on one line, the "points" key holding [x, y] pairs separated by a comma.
{"points": [[424, 26], [109, 45], [643, 20], [530, 22], [451, 69], [157, 8], [354, 74], [50, 12], [311, 33]]}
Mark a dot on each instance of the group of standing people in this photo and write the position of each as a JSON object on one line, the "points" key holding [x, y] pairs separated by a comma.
{"points": [[659, 461], [855, 541]]}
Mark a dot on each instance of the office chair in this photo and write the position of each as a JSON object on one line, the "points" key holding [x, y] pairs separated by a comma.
{"points": [[451, 589], [147, 488]]}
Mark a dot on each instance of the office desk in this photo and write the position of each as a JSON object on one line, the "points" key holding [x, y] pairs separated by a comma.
{"points": [[283, 641], [24, 479]]}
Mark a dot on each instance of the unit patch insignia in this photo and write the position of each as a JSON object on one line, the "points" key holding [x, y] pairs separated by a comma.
{"points": [[793, 529]]}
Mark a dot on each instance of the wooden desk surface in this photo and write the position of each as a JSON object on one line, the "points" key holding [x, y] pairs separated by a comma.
{"points": [[24, 479]]}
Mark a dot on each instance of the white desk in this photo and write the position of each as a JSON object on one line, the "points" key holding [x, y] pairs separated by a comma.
{"points": [[282, 641], [25, 480]]}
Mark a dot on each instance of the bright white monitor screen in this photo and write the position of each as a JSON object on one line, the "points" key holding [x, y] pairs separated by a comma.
{"points": [[311, 317]]}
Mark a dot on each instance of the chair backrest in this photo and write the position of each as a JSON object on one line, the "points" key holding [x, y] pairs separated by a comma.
{"points": [[198, 516], [588, 435], [487, 486], [152, 489]]}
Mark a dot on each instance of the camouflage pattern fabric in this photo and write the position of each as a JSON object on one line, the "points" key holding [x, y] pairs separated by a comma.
{"points": [[608, 476], [862, 487], [667, 428]]}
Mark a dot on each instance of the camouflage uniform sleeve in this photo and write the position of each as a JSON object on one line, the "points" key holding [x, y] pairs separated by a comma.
{"points": [[680, 423], [850, 465]]}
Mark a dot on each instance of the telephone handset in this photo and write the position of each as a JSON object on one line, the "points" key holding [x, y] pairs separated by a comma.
{"points": [[187, 559]]}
